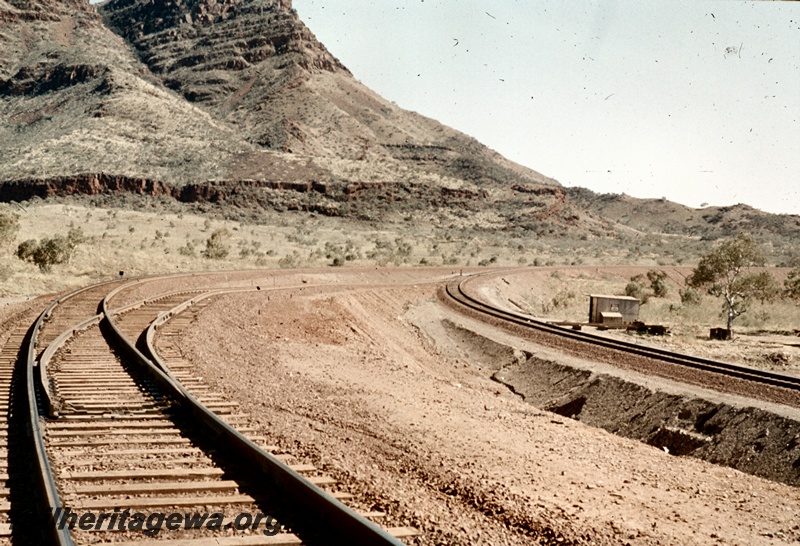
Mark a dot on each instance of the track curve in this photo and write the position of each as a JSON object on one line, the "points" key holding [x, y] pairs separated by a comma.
{"points": [[458, 291], [113, 427]]}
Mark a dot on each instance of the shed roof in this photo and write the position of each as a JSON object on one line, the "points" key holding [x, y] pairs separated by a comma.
{"points": [[605, 296]]}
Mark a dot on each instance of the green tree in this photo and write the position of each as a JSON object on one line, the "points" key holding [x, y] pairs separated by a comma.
{"points": [[728, 272], [50, 250], [636, 289], [658, 282]]}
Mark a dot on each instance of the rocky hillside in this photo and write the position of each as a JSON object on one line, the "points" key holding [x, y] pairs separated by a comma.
{"points": [[171, 93], [663, 216], [75, 100], [237, 101], [254, 65]]}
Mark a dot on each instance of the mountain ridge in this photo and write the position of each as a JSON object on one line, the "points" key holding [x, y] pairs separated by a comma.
{"points": [[238, 102]]}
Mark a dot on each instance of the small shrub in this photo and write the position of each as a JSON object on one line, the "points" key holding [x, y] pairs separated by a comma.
{"points": [[187, 249], [26, 249], [791, 286], [560, 301], [658, 282], [9, 225], [216, 248], [52, 251], [75, 237], [690, 296], [777, 358], [403, 248], [290, 261], [636, 289]]}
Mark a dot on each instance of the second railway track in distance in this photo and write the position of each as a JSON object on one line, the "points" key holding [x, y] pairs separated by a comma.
{"points": [[128, 435], [742, 380]]}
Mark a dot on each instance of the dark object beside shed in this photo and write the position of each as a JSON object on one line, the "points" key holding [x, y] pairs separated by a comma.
{"points": [[721, 334], [605, 309], [651, 329]]}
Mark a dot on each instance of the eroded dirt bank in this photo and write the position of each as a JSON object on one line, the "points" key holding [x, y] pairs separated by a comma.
{"points": [[749, 439], [390, 392]]}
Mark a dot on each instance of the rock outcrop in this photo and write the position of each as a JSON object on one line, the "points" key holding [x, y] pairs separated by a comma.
{"points": [[225, 100], [255, 65]]}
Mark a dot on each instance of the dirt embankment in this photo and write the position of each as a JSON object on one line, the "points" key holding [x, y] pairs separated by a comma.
{"points": [[749, 439]]}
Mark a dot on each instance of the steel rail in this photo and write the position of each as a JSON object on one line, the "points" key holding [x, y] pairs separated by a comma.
{"points": [[339, 524], [45, 479], [457, 292], [37, 383], [52, 406]]}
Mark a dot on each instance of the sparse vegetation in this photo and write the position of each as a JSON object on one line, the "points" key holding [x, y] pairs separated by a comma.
{"points": [[658, 282], [264, 240], [791, 286], [636, 289], [9, 226], [216, 245], [690, 296], [50, 251]]}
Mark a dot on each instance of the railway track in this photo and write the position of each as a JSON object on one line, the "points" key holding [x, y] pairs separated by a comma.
{"points": [[132, 448], [458, 291], [15, 470]]}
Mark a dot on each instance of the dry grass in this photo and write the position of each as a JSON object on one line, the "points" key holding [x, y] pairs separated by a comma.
{"points": [[150, 240], [764, 335], [150, 236]]}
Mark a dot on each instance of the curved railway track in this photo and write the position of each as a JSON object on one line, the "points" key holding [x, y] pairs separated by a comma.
{"points": [[16, 505], [458, 291], [117, 429]]}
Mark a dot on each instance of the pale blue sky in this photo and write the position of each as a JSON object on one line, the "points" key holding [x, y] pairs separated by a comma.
{"points": [[691, 100], [696, 101]]}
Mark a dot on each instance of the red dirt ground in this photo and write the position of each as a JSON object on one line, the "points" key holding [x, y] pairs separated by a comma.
{"points": [[360, 377]]}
